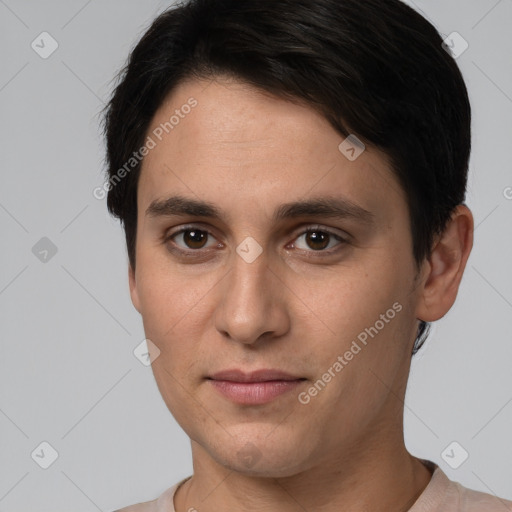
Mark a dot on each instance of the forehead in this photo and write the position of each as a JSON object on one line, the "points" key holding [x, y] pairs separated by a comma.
{"points": [[232, 117], [218, 136]]}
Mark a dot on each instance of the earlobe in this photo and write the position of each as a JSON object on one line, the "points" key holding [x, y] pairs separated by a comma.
{"points": [[445, 266], [133, 288]]}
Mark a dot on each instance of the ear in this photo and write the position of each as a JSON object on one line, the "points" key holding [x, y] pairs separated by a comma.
{"points": [[133, 288], [444, 268]]}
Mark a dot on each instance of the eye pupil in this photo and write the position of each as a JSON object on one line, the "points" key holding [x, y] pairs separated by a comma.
{"points": [[194, 238], [315, 237]]}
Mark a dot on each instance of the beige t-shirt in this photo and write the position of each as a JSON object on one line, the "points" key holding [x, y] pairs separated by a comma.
{"points": [[440, 495]]}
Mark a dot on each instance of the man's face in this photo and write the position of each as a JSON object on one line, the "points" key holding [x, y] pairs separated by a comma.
{"points": [[251, 289]]}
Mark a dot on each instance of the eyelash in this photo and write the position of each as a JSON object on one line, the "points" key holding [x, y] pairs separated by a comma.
{"points": [[198, 252]]}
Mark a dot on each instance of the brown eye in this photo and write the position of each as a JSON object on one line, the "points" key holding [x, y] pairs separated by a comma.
{"points": [[194, 238], [191, 239], [316, 239]]}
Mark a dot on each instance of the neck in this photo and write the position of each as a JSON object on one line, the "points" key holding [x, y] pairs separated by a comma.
{"points": [[390, 480]]}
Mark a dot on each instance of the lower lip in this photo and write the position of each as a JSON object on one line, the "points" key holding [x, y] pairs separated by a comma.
{"points": [[254, 393]]}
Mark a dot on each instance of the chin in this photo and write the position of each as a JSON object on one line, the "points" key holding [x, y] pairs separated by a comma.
{"points": [[259, 454], [277, 467]]}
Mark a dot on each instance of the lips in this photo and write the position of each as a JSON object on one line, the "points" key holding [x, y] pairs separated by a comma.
{"points": [[254, 388], [263, 375]]}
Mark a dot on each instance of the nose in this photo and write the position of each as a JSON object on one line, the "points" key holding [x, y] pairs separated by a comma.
{"points": [[252, 305]]}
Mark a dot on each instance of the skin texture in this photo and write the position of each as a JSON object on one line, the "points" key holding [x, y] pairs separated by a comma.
{"points": [[295, 307]]}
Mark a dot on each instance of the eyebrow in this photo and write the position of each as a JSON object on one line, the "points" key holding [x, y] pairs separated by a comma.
{"points": [[339, 208]]}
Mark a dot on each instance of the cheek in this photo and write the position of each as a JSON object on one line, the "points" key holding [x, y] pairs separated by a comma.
{"points": [[351, 299], [176, 309], [173, 388], [165, 294], [360, 314], [169, 313]]}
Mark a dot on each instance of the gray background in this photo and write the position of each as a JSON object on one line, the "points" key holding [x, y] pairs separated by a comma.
{"points": [[68, 375]]}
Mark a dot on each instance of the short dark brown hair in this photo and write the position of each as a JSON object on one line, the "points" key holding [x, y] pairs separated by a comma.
{"points": [[376, 69]]}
